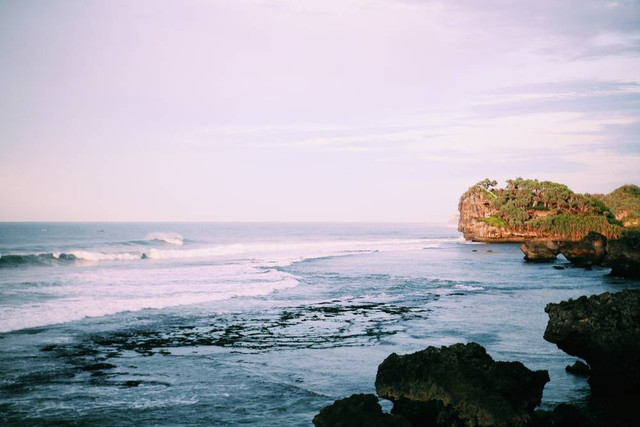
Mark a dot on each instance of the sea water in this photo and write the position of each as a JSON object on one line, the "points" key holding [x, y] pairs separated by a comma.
{"points": [[225, 324]]}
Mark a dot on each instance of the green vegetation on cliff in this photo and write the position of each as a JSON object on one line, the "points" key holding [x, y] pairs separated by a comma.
{"points": [[624, 202], [553, 209]]}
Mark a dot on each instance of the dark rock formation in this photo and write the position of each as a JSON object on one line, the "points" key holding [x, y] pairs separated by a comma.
{"points": [[586, 252], [604, 330], [431, 413], [579, 368], [563, 415], [467, 381], [623, 255], [357, 410], [540, 250]]}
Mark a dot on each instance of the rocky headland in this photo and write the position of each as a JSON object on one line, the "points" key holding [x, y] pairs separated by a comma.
{"points": [[550, 219], [544, 210]]}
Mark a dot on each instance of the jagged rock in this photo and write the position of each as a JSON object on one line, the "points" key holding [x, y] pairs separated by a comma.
{"points": [[579, 368], [604, 330], [563, 415], [540, 250], [623, 255], [586, 252], [355, 411], [479, 391], [431, 413]]}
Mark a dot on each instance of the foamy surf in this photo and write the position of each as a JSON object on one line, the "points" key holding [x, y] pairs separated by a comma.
{"points": [[98, 295], [164, 270]]}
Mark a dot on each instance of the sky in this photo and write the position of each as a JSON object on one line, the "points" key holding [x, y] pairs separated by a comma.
{"points": [[294, 110]]}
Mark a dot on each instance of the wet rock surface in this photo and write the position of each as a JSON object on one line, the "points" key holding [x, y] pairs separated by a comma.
{"points": [[469, 384], [586, 252], [579, 368], [563, 415], [623, 255], [540, 250], [604, 330], [358, 410]]}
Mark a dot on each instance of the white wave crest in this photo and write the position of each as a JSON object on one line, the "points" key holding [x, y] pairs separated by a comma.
{"points": [[170, 238], [105, 256], [468, 287]]}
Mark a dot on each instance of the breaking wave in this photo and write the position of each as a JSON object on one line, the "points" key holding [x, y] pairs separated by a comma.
{"points": [[280, 254], [170, 238]]}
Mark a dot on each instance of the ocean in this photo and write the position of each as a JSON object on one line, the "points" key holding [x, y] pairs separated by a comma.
{"points": [[248, 323]]}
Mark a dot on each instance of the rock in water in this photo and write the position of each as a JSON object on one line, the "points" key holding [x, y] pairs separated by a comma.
{"points": [[604, 330], [564, 415], [466, 380], [623, 255], [357, 410], [586, 252], [540, 250], [579, 368]]}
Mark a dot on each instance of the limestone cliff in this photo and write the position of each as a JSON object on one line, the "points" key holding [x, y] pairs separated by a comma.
{"points": [[477, 220], [529, 209]]}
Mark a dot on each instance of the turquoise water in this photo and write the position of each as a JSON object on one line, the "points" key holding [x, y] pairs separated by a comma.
{"points": [[220, 324]]}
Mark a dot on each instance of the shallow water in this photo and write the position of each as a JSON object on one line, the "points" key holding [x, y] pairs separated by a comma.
{"points": [[221, 324]]}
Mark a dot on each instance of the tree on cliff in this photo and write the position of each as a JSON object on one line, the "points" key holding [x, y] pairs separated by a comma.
{"points": [[487, 183]]}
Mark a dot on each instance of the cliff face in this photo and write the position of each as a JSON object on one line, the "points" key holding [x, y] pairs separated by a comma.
{"points": [[475, 207]]}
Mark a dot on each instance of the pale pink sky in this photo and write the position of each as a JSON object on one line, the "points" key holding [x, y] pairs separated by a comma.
{"points": [[349, 110]]}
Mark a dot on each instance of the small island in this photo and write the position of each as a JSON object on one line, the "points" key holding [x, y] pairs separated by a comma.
{"points": [[532, 209], [550, 219]]}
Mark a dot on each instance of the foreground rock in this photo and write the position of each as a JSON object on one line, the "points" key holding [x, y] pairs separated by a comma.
{"points": [[604, 330], [623, 255], [467, 383], [540, 250], [586, 252], [563, 415], [579, 369], [357, 410]]}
